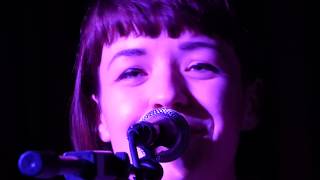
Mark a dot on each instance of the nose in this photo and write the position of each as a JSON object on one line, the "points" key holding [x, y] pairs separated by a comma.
{"points": [[168, 90]]}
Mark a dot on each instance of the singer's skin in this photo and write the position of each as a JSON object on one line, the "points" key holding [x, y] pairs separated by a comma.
{"points": [[196, 73], [188, 74]]}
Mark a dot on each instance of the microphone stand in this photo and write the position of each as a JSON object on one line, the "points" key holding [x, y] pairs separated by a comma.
{"points": [[89, 165], [103, 165], [75, 165], [145, 168]]}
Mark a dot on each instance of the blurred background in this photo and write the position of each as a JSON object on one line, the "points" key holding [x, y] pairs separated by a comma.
{"points": [[38, 47]]}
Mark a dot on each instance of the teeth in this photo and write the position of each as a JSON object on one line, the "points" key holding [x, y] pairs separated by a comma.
{"points": [[141, 153], [160, 149]]}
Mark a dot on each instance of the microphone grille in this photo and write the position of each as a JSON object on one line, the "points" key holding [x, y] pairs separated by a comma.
{"points": [[161, 114], [174, 132]]}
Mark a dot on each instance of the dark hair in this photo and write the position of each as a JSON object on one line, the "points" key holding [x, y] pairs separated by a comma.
{"points": [[108, 20]]}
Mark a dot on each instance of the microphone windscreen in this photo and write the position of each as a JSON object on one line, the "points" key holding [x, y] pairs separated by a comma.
{"points": [[173, 132]]}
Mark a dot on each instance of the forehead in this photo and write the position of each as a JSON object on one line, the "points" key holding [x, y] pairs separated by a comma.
{"points": [[132, 41], [164, 46]]}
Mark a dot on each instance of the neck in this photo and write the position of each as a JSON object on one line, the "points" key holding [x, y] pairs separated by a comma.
{"points": [[208, 173], [175, 172]]}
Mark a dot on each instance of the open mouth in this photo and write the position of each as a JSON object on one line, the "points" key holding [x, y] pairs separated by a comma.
{"points": [[198, 131], [199, 127]]}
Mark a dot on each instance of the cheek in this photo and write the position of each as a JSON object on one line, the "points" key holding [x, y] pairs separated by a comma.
{"points": [[211, 96], [221, 99], [120, 109], [117, 107], [218, 98]]}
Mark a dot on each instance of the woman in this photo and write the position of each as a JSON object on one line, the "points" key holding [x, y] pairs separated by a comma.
{"points": [[187, 55]]}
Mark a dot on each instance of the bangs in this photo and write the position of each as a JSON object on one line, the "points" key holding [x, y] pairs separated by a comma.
{"points": [[120, 18]]}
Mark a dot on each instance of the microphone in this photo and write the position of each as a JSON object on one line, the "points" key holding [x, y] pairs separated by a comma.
{"points": [[161, 127], [79, 165]]}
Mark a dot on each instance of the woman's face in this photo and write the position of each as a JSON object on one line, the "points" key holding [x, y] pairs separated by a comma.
{"points": [[193, 74]]}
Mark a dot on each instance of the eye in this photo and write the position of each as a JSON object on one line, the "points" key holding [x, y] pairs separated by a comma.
{"points": [[202, 71], [203, 67], [132, 73]]}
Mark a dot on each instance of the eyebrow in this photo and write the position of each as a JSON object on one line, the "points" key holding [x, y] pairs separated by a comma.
{"points": [[128, 53], [187, 46]]}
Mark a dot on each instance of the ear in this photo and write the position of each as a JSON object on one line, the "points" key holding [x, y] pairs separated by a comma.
{"points": [[252, 103], [102, 127]]}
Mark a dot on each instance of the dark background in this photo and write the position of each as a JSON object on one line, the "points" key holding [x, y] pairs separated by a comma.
{"points": [[38, 47]]}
